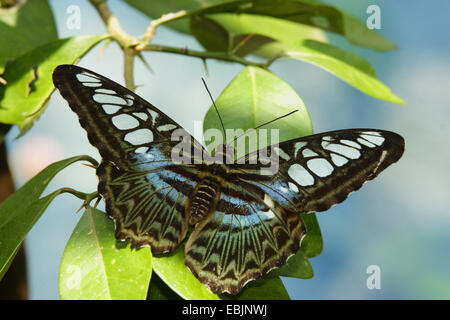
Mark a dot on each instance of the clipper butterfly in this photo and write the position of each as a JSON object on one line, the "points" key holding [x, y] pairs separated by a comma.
{"points": [[244, 223]]}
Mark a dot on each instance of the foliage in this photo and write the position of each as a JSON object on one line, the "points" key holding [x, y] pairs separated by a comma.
{"points": [[233, 31]]}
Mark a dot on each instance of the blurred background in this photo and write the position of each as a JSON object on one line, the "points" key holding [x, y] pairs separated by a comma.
{"points": [[400, 222]]}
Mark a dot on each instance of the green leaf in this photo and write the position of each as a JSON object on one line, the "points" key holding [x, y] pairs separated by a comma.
{"points": [[172, 270], [160, 291], [312, 244], [297, 266], [23, 208], [213, 37], [24, 28], [284, 32], [29, 78], [349, 67], [307, 12], [256, 96], [267, 288], [96, 267], [14, 230]]}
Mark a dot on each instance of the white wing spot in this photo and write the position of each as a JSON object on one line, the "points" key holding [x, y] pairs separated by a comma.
{"points": [[267, 215], [141, 150], [338, 160], [154, 115], [293, 187], [320, 166], [138, 137], [378, 140], [351, 143], [91, 84], [365, 142], [129, 97], [125, 122], [383, 156], [268, 200], [107, 91], [349, 152], [141, 115], [110, 108], [300, 175], [129, 102], [281, 153], [308, 153], [105, 98], [374, 133], [82, 77], [166, 127], [298, 146], [284, 190]]}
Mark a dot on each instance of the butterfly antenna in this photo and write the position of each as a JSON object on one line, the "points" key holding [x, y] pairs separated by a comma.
{"points": [[217, 110], [266, 123]]}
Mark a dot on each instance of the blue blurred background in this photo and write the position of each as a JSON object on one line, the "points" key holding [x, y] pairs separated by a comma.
{"points": [[399, 222]]}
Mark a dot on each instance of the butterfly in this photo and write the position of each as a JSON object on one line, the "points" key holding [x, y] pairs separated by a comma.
{"points": [[245, 223]]}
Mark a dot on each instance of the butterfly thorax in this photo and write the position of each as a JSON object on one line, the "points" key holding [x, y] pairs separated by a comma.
{"points": [[224, 153], [207, 191]]}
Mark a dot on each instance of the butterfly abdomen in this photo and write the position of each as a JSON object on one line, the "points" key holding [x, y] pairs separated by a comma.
{"points": [[203, 199]]}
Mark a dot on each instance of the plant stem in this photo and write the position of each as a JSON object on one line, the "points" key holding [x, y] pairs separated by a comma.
{"points": [[218, 55], [128, 63], [132, 46], [126, 41], [113, 26], [150, 32]]}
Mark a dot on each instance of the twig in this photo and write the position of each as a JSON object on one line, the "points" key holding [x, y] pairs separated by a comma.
{"points": [[150, 32], [127, 42], [113, 26], [218, 55], [133, 46], [128, 67], [87, 197]]}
